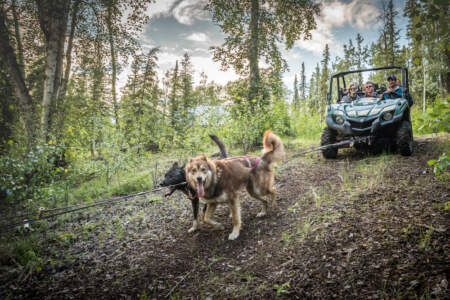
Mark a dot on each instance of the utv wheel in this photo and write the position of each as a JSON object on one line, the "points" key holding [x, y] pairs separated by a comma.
{"points": [[328, 137], [404, 139]]}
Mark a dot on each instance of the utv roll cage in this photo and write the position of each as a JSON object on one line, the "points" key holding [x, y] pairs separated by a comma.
{"points": [[405, 81]]}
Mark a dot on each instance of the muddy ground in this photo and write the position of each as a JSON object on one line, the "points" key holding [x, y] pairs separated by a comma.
{"points": [[360, 226]]}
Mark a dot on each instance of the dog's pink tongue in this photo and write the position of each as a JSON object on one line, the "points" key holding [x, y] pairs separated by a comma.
{"points": [[200, 190]]}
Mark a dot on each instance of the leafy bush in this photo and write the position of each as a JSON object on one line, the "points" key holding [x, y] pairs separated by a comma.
{"points": [[307, 125], [435, 119], [440, 166], [248, 122], [24, 175]]}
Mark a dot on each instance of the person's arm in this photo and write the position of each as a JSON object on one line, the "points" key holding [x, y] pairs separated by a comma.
{"points": [[398, 92]]}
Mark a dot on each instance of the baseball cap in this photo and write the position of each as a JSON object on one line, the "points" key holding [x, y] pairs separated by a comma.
{"points": [[391, 77]]}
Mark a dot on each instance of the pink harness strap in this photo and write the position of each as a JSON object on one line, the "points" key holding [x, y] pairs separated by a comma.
{"points": [[239, 157], [256, 163], [258, 159]]}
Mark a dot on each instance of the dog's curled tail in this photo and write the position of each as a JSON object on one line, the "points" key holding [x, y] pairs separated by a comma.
{"points": [[221, 145], [273, 148]]}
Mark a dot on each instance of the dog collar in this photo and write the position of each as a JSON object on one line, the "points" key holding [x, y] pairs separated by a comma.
{"points": [[256, 163]]}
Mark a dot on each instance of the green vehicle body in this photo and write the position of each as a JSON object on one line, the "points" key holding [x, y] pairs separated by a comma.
{"points": [[368, 123]]}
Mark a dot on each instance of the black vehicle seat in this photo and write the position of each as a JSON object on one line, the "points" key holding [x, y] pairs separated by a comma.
{"points": [[375, 86], [360, 93], [340, 95]]}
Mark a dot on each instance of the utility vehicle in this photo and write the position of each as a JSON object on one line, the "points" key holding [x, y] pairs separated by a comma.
{"points": [[368, 123]]}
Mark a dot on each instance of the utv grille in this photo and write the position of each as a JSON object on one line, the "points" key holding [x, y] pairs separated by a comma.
{"points": [[366, 125]]}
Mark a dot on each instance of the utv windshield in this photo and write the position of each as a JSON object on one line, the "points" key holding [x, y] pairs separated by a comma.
{"points": [[345, 87]]}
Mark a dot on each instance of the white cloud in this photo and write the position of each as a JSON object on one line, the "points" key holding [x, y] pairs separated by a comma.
{"points": [[197, 37], [188, 11], [160, 8], [184, 11], [212, 69], [201, 64], [359, 14], [319, 37]]}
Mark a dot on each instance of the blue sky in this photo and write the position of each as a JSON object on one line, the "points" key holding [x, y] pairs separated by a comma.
{"points": [[179, 26]]}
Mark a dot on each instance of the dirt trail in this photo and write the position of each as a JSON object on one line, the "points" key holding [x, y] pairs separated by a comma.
{"points": [[360, 227]]}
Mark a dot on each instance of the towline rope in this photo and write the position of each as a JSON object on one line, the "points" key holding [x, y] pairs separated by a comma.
{"points": [[73, 208]]}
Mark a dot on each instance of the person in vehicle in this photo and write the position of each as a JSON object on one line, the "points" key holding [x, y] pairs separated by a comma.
{"points": [[394, 91], [370, 90], [352, 95]]}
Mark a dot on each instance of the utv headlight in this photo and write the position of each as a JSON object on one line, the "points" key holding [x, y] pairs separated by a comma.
{"points": [[340, 120], [387, 116], [390, 107], [351, 113], [375, 111]]}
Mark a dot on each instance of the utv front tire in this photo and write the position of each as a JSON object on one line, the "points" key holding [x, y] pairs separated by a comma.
{"points": [[328, 137], [404, 138]]}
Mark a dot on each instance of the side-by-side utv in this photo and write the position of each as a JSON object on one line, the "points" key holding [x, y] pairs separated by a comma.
{"points": [[368, 123]]}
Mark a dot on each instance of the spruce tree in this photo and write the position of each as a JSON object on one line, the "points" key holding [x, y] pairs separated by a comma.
{"points": [[303, 84], [174, 107], [296, 99], [324, 77]]}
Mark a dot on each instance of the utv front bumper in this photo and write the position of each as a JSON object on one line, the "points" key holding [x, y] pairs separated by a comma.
{"points": [[362, 126]]}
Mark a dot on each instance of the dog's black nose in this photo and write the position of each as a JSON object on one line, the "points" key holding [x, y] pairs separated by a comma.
{"points": [[199, 179]]}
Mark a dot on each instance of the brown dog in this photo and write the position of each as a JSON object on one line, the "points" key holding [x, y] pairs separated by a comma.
{"points": [[219, 181]]}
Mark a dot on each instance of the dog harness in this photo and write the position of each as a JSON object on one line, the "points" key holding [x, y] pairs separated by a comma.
{"points": [[256, 163]]}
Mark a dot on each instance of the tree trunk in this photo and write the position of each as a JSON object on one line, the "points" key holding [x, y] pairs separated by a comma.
{"points": [[424, 83], [65, 80], [113, 62], [445, 75], [254, 52], [18, 39], [53, 21], [14, 70]]}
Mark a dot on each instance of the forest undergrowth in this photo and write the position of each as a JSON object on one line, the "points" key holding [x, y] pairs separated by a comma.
{"points": [[365, 226]]}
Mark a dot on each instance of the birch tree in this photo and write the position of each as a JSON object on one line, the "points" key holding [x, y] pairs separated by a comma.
{"points": [[254, 28]]}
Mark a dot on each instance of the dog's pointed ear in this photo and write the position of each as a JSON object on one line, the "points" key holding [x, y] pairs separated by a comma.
{"points": [[191, 160], [175, 164], [203, 156]]}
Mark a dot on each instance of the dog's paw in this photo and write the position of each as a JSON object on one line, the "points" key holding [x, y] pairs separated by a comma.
{"points": [[194, 227], [233, 236], [261, 214]]}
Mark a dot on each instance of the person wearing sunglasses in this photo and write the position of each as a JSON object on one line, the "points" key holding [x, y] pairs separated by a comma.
{"points": [[370, 90], [352, 95], [394, 91]]}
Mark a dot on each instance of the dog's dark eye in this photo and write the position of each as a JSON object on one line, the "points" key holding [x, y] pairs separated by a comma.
{"points": [[203, 170], [193, 170]]}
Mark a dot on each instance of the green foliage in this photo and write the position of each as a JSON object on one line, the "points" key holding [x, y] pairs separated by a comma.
{"points": [[248, 123], [307, 125], [133, 185], [282, 288], [429, 43], [26, 174], [435, 119], [23, 250], [440, 166], [288, 21]]}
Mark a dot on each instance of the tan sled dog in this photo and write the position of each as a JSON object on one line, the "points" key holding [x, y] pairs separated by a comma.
{"points": [[219, 181]]}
